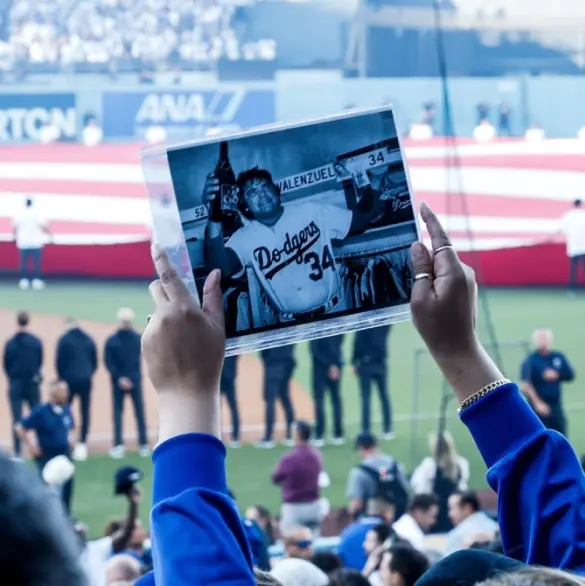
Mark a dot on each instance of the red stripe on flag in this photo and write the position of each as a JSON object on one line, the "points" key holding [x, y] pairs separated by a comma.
{"points": [[72, 153]]}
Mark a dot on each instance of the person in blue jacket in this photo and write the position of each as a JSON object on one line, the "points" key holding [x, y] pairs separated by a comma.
{"points": [[543, 373], [537, 475], [76, 363], [122, 357]]}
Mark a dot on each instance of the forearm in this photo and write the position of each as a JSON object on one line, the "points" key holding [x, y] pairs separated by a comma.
{"points": [[25, 437], [189, 412], [471, 372], [120, 540]]}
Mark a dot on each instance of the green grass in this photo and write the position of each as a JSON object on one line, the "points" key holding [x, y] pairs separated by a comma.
{"points": [[515, 313]]}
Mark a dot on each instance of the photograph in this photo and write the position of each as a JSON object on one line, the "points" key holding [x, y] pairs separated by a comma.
{"points": [[305, 223]]}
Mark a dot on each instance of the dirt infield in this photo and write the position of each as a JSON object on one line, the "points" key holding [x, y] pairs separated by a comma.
{"points": [[249, 386]]}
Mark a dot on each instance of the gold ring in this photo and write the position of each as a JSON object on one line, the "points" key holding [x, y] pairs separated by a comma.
{"points": [[421, 276], [446, 247]]}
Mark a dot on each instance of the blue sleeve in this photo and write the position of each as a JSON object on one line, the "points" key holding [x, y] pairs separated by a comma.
{"points": [[538, 479], [567, 374], [190, 500], [32, 421]]}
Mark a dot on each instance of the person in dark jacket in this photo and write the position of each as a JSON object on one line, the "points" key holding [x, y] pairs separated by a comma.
{"points": [[227, 387], [76, 363], [122, 359], [370, 356], [23, 359], [279, 365], [327, 365]]}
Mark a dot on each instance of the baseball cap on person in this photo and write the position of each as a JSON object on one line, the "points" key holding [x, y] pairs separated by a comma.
{"points": [[365, 441], [125, 478]]}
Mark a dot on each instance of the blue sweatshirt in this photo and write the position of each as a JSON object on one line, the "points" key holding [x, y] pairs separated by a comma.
{"points": [[538, 478], [197, 535]]}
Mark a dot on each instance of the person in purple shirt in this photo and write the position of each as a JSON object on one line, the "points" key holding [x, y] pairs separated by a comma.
{"points": [[297, 473]]}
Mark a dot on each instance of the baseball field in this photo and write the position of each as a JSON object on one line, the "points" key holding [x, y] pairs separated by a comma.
{"points": [[514, 313]]}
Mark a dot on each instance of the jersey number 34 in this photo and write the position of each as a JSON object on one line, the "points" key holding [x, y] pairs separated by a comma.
{"points": [[318, 265]]}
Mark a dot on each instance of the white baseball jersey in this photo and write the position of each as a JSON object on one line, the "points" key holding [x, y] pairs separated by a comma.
{"points": [[293, 259]]}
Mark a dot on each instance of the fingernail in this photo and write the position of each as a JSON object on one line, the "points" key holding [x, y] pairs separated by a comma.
{"points": [[418, 251], [155, 250], [424, 206], [216, 277]]}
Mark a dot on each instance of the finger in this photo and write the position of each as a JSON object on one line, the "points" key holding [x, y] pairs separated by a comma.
{"points": [[172, 285], [422, 263], [212, 303], [447, 259], [158, 294]]}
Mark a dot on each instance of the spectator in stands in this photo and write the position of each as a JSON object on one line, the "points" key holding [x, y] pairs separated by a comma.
{"points": [[96, 553], [122, 357], [374, 547], [468, 519], [484, 132], [442, 474], [573, 229], [346, 577], [363, 483], [422, 515], [122, 570], [297, 572], [31, 233], [37, 545], [402, 566], [76, 363], [298, 542], [48, 432], [327, 561], [263, 517], [351, 541], [92, 135], [22, 362], [297, 473]]}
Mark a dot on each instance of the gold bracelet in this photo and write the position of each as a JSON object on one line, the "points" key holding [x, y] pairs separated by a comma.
{"points": [[482, 393]]}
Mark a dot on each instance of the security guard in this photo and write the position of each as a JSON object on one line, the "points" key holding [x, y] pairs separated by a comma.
{"points": [[23, 359], [122, 359], [227, 387], [370, 355], [279, 365], [52, 423], [327, 365], [76, 363], [543, 371]]}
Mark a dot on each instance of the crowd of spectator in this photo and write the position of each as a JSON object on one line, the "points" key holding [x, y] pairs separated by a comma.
{"points": [[68, 32], [199, 536]]}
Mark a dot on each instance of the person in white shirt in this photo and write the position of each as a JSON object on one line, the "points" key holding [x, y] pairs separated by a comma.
{"points": [[443, 473], [421, 516], [31, 233], [469, 520], [573, 228], [92, 134], [485, 132]]}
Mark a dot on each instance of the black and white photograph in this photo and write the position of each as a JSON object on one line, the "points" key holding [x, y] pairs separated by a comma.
{"points": [[305, 223]]}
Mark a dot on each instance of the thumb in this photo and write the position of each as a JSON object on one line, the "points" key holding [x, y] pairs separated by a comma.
{"points": [[212, 303], [422, 263]]}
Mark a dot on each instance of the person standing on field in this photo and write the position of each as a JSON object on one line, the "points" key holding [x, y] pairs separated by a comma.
{"points": [[122, 359], [31, 233], [76, 363]]}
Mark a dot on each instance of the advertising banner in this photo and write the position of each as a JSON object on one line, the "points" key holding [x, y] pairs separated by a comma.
{"points": [[23, 115], [192, 113]]}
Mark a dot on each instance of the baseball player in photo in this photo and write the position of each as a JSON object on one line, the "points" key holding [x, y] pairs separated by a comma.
{"points": [[289, 248]]}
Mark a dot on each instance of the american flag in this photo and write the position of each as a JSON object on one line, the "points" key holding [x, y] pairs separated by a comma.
{"points": [[500, 195]]}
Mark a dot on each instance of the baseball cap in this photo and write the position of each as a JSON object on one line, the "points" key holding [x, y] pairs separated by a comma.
{"points": [[469, 567], [125, 478], [365, 441]]}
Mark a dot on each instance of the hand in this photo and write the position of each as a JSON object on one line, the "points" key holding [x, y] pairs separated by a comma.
{"points": [[184, 347], [542, 408], [550, 374], [125, 383], [35, 451], [374, 560], [443, 310], [211, 188], [334, 373]]}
